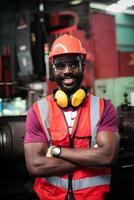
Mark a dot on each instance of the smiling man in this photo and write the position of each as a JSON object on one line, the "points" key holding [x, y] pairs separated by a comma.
{"points": [[71, 136], [68, 71]]}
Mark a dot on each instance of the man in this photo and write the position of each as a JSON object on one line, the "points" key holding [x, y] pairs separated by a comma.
{"points": [[71, 136]]}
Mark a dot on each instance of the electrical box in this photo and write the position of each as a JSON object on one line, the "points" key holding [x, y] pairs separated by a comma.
{"points": [[115, 88]]}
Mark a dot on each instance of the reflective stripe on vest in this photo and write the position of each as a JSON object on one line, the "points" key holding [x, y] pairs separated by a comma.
{"points": [[95, 116], [44, 111], [80, 184]]}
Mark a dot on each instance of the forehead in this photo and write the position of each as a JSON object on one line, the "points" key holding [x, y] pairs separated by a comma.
{"points": [[67, 58]]}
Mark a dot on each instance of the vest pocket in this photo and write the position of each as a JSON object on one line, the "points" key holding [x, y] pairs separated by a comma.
{"points": [[57, 135], [82, 141]]}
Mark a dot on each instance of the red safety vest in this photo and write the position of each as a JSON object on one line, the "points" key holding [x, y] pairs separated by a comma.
{"points": [[87, 184]]}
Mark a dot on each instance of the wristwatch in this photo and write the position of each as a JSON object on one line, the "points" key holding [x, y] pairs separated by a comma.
{"points": [[56, 151]]}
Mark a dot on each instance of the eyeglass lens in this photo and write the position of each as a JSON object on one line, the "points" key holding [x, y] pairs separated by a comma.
{"points": [[71, 64]]}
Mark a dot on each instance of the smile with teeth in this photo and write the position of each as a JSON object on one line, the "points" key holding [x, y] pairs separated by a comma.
{"points": [[68, 81]]}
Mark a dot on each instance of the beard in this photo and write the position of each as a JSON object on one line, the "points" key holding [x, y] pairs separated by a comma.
{"points": [[69, 89]]}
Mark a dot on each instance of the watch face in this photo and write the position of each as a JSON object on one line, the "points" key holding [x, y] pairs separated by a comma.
{"points": [[56, 151]]}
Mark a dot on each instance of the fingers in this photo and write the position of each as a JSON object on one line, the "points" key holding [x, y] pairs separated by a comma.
{"points": [[49, 154]]}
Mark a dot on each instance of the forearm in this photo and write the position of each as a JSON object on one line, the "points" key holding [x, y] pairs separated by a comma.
{"points": [[93, 157], [103, 155], [44, 166]]}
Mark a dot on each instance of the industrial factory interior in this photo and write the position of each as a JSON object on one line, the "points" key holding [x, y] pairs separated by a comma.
{"points": [[27, 30]]}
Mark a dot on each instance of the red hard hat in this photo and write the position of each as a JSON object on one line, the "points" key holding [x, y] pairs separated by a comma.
{"points": [[66, 44]]}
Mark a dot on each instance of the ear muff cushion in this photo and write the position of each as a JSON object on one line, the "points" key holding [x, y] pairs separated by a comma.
{"points": [[61, 98], [78, 97]]}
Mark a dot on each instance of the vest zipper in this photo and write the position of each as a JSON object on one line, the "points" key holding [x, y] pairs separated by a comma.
{"points": [[70, 194]]}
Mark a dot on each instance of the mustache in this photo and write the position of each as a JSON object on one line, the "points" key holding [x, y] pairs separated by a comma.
{"points": [[67, 76]]}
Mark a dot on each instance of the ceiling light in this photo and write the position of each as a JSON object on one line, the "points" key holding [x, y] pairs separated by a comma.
{"points": [[116, 7], [75, 2], [120, 6], [99, 6], [127, 3]]}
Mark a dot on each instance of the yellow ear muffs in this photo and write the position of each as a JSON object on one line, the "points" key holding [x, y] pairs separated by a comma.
{"points": [[61, 98], [78, 97]]}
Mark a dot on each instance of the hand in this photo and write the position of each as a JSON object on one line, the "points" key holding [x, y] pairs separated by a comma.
{"points": [[96, 146], [49, 154]]}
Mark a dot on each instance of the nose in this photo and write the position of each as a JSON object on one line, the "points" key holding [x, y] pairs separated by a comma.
{"points": [[68, 69]]}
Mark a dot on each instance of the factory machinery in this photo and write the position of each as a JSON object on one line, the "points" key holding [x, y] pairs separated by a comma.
{"points": [[24, 64], [15, 182], [123, 171]]}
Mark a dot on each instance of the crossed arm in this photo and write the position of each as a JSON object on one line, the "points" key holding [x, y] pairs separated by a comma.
{"points": [[71, 158]]}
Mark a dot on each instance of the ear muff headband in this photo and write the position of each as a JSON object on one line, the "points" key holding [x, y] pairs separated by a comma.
{"points": [[75, 100]]}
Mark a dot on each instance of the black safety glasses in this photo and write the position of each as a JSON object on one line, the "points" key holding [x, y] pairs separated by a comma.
{"points": [[71, 64]]}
